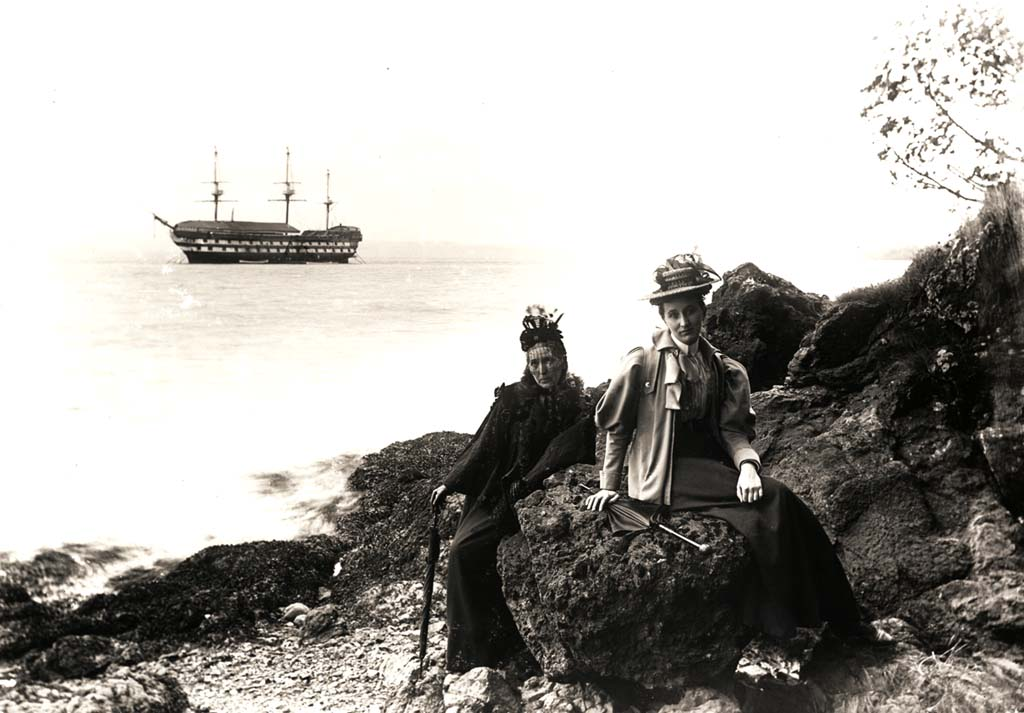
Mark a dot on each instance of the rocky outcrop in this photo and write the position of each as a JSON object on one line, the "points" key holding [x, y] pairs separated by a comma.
{"points": [[1003, 446], [13, 594], [542, 695], [759, 320], [384, 538], [990, 602], [49, 570], [117, 691], [25, 624], [217, 591], [80, 657], [900, 426], [480, 690], [889, 523], [703, 700], [824, 355], [487, 690], [905, 678], [646, 608], [422, 694]]}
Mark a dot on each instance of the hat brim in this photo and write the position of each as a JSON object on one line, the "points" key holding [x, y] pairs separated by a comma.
{"points": [[662, 294]]}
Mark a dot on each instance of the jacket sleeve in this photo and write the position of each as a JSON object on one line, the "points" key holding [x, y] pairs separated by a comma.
{"points": [[469, 474], [573, 445], [616, 414], [737, 418]]}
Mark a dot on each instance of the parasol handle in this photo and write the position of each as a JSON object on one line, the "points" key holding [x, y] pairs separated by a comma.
{"points": [[684, 538]]}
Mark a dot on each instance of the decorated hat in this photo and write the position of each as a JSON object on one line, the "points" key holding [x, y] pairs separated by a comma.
{"points": [[682, 274], [540, 325]]}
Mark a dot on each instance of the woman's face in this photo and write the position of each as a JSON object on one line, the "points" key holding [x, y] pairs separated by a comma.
{"points": [[545, 365], [684, 316]]}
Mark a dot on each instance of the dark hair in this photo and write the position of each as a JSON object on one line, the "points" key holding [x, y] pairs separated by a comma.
{"points": [[660, 303]]}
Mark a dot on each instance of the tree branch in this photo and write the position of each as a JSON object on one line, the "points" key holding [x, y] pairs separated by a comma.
{"points": [[969, 180], [985, 145], [934, 182]]}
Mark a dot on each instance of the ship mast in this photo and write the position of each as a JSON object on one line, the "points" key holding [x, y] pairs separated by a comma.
{"points": [[288, 191], [217, 191], [328, 202]]}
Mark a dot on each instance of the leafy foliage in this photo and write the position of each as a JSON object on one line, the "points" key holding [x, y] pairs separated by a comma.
{"points": [[936, 95]]}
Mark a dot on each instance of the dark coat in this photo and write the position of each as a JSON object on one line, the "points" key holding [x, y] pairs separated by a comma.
{"points": [[528, 434]]}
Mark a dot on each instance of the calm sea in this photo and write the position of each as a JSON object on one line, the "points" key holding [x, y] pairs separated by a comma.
{"points": [[170, 406]]}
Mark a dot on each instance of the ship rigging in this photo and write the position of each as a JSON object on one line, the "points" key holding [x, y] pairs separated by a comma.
{"points": [[231, 241]]}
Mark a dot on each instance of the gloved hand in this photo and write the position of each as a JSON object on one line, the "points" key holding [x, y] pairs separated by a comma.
{"points": [[437, 496], [598, 500]]}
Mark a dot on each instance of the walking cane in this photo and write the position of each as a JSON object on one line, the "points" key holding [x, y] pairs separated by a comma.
{"points": [[433, 550]]}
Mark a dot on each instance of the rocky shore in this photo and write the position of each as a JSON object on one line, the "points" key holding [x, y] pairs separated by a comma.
{"points": [[896, 412]]}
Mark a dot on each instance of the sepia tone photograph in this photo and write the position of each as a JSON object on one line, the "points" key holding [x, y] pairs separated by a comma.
{"points": [[465, 357]]}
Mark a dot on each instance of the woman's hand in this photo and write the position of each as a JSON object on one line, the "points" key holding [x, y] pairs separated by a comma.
{"points": [[598, 500], [437, 496], [748, 485]]}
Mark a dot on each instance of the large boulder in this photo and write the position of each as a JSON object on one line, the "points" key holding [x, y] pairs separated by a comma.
{"points": [[759, 319], [648, 608]]}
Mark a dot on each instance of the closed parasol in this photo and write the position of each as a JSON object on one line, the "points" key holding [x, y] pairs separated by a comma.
{"points": [[433, 549], [626, 514]]}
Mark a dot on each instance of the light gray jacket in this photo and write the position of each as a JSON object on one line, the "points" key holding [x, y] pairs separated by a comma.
{"points": [[633, 413]]}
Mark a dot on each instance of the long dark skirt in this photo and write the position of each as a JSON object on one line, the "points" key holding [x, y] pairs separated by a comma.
{"points": [[481, 631], [798, 580]]}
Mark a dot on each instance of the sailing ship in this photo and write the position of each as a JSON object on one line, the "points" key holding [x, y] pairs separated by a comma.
{"points": [[244, 241]]}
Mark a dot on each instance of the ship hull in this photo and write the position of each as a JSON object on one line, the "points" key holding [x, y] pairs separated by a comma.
{"points": [[230, 242], [257, 259]]}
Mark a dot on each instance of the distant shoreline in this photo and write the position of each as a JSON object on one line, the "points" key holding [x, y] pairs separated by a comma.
{"points": [[398, 250], [905, 252]]}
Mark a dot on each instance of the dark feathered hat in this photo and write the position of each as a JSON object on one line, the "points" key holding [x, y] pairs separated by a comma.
{"points": [[540, 325], [682, 274]]}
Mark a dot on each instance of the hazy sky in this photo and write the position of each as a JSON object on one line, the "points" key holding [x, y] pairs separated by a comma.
{"points": [[580, 126]]}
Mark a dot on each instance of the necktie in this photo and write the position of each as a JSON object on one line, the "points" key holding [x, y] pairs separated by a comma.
{"points": [[688, 363]]}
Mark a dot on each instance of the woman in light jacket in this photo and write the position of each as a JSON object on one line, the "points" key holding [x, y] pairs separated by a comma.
{"points": [[681, 411]]}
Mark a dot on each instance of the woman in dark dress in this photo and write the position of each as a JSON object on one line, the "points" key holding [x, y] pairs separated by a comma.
{"points": [[535, 428], [682, 408]]}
